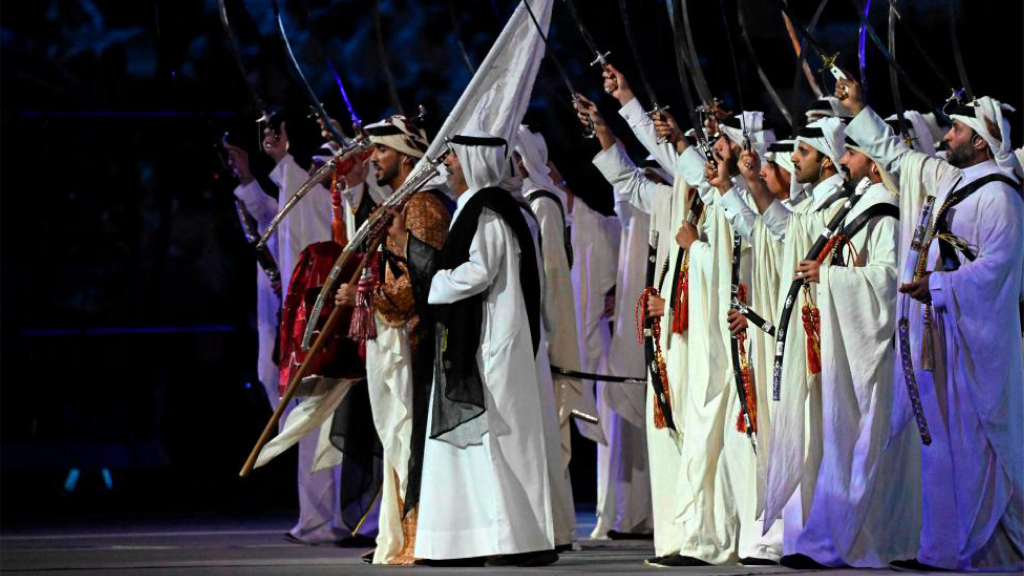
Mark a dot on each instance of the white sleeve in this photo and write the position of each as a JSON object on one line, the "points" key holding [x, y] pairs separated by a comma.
{"points": [[740, 215], [690, 166], [643, 128], [629, 182], [260, 206], [472, 277], [879, 141], [776, 218]]}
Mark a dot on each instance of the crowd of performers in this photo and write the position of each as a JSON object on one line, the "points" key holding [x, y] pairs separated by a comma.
{"points": [[803, 351]]}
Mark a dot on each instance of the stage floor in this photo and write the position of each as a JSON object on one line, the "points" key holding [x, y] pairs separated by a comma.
{"points": [[256, 547]]}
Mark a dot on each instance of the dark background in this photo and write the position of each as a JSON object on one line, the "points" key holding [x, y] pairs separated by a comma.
{"points": [[128, 341]]}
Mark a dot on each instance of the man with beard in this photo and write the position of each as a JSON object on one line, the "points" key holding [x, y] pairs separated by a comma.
{"points": [[487, 435], [854, 499], [964, 332], [399, 359]]}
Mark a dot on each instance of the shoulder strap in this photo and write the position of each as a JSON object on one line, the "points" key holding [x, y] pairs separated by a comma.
{"points": [[880, 210], [948, 245], [561, 210]]}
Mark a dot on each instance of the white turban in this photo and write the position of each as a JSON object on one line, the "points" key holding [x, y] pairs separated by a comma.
{"points": [[483, 156], [781, 152], [752, 123], [887, 178], [828, 107], [987, 109], [920, 131], [826, 136], [534, 151]]}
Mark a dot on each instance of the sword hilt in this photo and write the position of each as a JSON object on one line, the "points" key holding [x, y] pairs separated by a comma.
{"points": [[600, 58]]}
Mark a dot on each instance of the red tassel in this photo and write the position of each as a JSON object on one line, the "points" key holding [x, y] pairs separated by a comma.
{"points": [[641, 316], [812, 326], [362, 326], [681, 318]]}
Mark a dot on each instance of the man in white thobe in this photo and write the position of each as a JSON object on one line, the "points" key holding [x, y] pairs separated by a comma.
{"points": [[486, 485], [549, 204], [972, 474], [855, 500], [623, 479], [309, 222], [723, 470]]}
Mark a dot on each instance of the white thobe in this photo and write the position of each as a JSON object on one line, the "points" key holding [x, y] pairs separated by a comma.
{"points": [[721, 471], [623, 479], [268, 303], [863, 508], [307, 223], [972, 473], [660, 202], [492, 496], [559, 308]]}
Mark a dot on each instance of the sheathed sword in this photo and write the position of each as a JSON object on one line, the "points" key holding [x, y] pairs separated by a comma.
{"points": [[913, 270], [782, 330]]}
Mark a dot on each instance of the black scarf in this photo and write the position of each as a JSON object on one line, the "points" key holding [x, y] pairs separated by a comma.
{"points": [[460, 395]]}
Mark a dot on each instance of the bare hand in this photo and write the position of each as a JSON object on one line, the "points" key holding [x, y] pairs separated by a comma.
{"points": [[918, 289], [666, 127], [850, 94], [655, 306], [807, 270], [357, 175], [615, 85], [686, 235], [327, 133], [737, 322], [587, 111], [397, 232], [275, 145], [238, 160], [750, 165], [346, 295]]}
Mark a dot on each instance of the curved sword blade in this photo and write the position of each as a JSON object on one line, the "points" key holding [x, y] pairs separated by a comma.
{"points": [[699, 82], [236, 52], [599, 57], [955, 40], [892, 61], [800, 48], [293, 65], [635, 47], [862, 56], [458, 37], [382, 53], [741, 20], [683, 70], [894, 79]]}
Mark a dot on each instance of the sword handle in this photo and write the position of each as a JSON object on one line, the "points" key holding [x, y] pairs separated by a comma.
{"points": [[600, 59]]}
